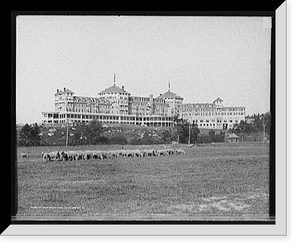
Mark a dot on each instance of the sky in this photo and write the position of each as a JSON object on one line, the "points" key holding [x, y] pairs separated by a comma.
{"points": [[203, 58]]}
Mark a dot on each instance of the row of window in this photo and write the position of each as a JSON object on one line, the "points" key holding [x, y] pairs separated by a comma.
{"points": [[196, 106], [87, 106], [233, 109], [114, 94], [135, 103], [218, 121], [109, 121], [212, 125], [120, 99], [139, 99], [89, 110], [214, 113], [78, 116], [197, 110], [63, 98], [50, 115], [207, 125], [188, 107]]}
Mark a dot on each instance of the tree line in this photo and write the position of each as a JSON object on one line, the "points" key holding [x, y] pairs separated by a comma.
{"points": [[94, 132], [190, 133], [257, 124], [29, 135], [34, 135]]}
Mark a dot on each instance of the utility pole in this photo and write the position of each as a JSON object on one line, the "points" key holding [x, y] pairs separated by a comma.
{"points": [[67, 135], [189, 133], [264, 127]]}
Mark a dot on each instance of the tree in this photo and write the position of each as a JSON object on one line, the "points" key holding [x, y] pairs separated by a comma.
{"points": [[186, 130], [220, 137], [24, 136], [194, 133], [79, 135], [203, 138], [94, 132], [168, 136], [29, 135], [260, 120], [183, 132], [244, 127], [35, 135], [267, 121], [211, 135]]}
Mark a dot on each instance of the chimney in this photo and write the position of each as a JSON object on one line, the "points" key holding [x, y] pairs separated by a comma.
{"points": [[64, 89], [122, 87], [57, 90]]}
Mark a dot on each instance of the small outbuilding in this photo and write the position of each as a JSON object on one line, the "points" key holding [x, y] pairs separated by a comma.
{"points": [[233, 138]]}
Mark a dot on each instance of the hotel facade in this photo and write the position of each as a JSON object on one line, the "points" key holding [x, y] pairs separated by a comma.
{"points": [[115, 105]]}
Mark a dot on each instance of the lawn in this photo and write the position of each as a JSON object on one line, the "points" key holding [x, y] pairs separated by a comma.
{"points": [[210, 182]]}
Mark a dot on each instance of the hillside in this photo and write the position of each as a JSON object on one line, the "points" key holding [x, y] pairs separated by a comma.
{"points": [[110, 134]]}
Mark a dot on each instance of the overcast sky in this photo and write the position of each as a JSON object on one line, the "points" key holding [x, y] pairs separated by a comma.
{"points": [[202, 57]]}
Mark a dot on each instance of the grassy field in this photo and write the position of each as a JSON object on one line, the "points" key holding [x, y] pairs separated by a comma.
{"points": [[214, 183]]}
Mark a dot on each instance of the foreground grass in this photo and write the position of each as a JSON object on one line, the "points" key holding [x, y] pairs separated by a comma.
{"points": [[206, 183]]}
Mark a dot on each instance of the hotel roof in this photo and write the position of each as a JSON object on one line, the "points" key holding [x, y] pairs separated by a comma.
{"points": [[65, 90], [169, 95], [218, 99], [114, 89]]}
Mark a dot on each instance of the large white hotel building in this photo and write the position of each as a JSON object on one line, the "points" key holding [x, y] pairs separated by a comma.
{"points": [[115, 105]]}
